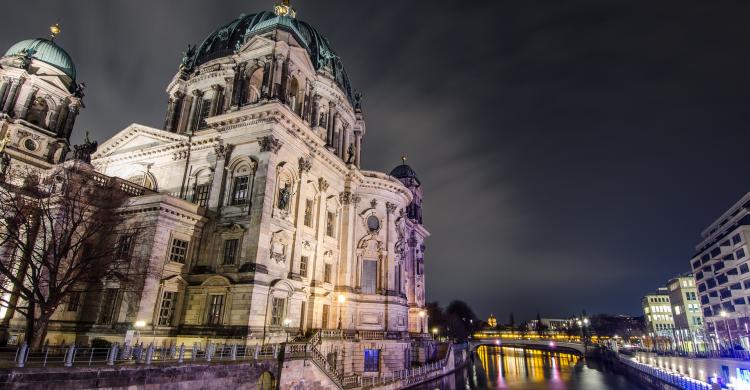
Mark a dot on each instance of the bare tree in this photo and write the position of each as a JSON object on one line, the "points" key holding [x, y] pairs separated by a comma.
{"points": [[59, 236]]}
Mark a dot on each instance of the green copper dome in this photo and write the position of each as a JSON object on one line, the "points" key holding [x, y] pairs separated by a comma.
{"points": [[227, 39], [47, 51]]}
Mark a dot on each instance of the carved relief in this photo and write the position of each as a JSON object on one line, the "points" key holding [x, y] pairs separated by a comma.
{"points": [[348, 197], [305, 164], [280, 242], [269, 143], [322, 184], [390, 207]]}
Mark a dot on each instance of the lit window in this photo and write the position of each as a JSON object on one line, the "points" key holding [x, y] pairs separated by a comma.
{"points": [[178, 251]]}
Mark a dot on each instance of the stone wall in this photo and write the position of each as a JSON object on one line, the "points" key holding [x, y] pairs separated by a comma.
{"points": [[132, 377]]}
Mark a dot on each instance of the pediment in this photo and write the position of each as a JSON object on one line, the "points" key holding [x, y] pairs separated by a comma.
{"points": [[137, 138], [256, 43]]}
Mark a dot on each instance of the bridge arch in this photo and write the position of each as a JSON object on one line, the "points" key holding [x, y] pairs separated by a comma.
{"points": [[542, 345]]}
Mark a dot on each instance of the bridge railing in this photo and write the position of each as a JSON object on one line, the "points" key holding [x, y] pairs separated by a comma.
{"points": [[673, 378]]}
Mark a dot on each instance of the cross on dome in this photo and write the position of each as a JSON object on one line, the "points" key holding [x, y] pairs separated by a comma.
{"points": [[285, 9]]}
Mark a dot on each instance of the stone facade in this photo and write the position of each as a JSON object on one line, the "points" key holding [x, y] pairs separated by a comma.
{"points": [[255, 216]]}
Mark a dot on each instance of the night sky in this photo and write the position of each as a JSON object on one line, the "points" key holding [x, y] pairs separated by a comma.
{"points": [[571, 151]]}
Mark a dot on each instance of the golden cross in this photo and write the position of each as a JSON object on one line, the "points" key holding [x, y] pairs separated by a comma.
{"points": [[403, 160]]}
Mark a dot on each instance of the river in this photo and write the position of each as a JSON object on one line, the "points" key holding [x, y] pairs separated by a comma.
{"points": [[515, 369]]}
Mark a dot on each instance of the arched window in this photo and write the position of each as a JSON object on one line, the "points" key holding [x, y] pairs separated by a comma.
{"points": [[241, 182], [38, 112], [253, 85], [143, 180]]}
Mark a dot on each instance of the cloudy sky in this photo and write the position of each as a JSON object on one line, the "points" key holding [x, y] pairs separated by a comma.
{"points": [[571, 151]]}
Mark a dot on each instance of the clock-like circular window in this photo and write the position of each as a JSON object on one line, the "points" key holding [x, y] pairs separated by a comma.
{"points": [[373, 223], [30, 145]]}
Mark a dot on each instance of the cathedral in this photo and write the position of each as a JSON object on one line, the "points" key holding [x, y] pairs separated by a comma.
{"points": [[254, 217]]}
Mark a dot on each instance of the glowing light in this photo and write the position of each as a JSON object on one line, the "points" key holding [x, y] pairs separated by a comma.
{"points": [[140, 324], [342, 298]]}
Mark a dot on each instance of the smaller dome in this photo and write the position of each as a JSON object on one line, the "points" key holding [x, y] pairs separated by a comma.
{"points": [[404, 171], [46, 51]]}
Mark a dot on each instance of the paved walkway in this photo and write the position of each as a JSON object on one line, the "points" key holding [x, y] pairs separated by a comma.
{"points": [[696, 368]]}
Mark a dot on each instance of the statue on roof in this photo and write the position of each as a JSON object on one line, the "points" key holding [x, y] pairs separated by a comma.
{"points": [[84, 151], [187, 57]]}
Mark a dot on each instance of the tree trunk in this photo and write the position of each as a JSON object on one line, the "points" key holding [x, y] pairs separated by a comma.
{"points": [[39, 333], [30, 323]]}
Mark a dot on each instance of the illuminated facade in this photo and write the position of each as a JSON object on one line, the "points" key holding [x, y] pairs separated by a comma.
{"points": [[262, 222], [686, 310], [722, 272], [659, 320]]}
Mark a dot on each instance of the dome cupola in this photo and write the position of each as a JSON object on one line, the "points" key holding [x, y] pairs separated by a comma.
{"points": [[47, 51]]}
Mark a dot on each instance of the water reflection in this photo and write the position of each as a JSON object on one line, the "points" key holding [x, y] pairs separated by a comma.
{"points": [[511, 368]]}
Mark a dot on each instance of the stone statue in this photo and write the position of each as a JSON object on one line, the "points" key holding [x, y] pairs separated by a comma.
{"points": [[323, 121], [350, 152], [285, 196], [5, 141], [187, 56], [79, 90], [83, 152], [357, 100]]}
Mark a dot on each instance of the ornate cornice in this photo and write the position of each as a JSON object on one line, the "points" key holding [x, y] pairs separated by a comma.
{"points": [[269, 143]]}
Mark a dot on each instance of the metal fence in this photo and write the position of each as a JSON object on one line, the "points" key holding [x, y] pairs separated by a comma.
{"points": [[73, 356]]}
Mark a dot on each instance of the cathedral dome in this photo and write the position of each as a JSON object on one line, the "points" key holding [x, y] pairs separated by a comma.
{"points": [[404, 171], [46, 51], [227, 39]]}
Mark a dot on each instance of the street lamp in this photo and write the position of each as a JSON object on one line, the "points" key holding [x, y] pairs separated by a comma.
{"points": [[342, 300], [421, 321], [286, 328], [434, 333]]}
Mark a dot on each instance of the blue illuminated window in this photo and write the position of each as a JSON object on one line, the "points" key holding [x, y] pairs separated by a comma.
{"points": [[372, 360]]}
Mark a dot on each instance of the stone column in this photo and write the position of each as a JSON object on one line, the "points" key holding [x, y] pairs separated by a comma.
{"points": [[265, 89], [70, 120], [263, 206], [239, 84], [173, 113], [336, 134], [315, 112], [305, 164], [345, 148], [27, 101], [215, 197], [11, 100], [357, 147], [3, 89], [283, 90], [329, 125], [184, 115], [191, 125], [306, 102], [171, 105], [215, 100]]}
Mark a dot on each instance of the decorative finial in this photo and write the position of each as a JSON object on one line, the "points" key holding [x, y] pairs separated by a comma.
{"points": [[285, 9], [54, 31], [403, 160]]}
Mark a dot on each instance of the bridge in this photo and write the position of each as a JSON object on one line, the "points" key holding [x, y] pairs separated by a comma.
{"points": [[542, 345]]}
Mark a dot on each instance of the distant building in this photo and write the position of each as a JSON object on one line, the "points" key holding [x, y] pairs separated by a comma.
{"points": [[659, 320], [686, 312], [492, 321], [722, 273]]}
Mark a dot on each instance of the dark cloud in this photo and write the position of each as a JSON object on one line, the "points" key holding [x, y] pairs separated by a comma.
{"points": [[571, 151]]}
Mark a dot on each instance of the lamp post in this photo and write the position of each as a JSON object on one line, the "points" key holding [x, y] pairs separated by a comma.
{"points": [[581, 324], [342, 300], [434, 333], [286, 328], [421, 321]]}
